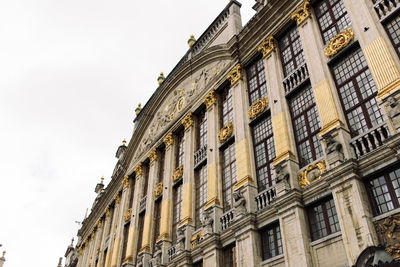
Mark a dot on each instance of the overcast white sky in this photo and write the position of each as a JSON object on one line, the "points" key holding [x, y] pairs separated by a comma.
{"points": [[71, 75]]}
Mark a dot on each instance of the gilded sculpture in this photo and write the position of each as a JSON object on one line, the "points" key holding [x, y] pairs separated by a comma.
{"points": [[225, 132], [158, 190], [312, 173], [168, 140], [125, 182], [99, 224], [267, 46], [138, 170], [117, 198], [152, 155], [235, 74], [127, 215], [389, 233], [178, 173], [161, 78], [258, 107], [188, 121], [210, 99], [301, 13], [339, 42]]}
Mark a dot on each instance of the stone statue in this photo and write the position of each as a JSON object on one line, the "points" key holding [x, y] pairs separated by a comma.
{"points": [[139, 261], [281, 174], [180, 240], [239, 205], [207, 223], [156, 260], [390, 235], [394, 111], [331, 144]]}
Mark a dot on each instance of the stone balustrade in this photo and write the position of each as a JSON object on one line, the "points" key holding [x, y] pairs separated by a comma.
{"points": [[385, 8], [264, 198], [226, 219], [296, 78], [142, 204], [200, 155], [370, 140]]}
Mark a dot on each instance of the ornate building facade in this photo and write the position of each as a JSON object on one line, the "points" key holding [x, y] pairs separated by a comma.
{"points": [[270, 144]]}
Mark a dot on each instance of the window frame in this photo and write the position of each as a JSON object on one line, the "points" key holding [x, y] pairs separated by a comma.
{"points": [[202, 129], [258, 73], [227, 106], [266, 252], [232, 168], [177, 201], [294, 55], [156, 221], [201, 190]]}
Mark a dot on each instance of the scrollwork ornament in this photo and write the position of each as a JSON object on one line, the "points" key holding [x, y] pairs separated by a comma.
{"points": [[301, 13], [152, 155], [99, 224], [339, 42], [312, 173], [158, 190], [188, 121], [125, 182], [210, 99], [117, 198], [128, 215], [178, 173], [168, 140], [107, 211], [235, 74], [138, 170], [390, 235], [225, 132], [267, 46], [258, 107]]}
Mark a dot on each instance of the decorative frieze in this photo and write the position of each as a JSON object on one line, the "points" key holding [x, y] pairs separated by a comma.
{"points": [[158, 190], [301, 13], [178, 173], [258, 107], [225, 132], [267, 46], [235, 74], [210, 99], [339, 42], [125, 182], [168, 140], [152, 155], [312, 173], [138, 170], [188, 121]]}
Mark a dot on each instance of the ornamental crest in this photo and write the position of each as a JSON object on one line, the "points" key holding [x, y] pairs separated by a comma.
{"points": [[389, 235], [158, 190], [267, 46], [168, 140], [152, 155], [235, 74], [225, 132], [258, 107], [312, 173], [125, 182], [128, 215], [138, 170], [339, 42], [210, 99], [178, 173], [187, 121], [301, 13]]}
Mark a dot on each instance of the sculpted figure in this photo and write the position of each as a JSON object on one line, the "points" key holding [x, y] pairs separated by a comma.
{"points": [[239, 205], [180, 240], [281, 174], [331, 144], [207, 223]]}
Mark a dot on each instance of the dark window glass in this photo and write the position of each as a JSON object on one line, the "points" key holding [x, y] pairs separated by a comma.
{"points": [[384, 192], [229, 256], [104, 257], [256, 81], [271, 241], [306, 125], [357, 92], [228, 175], [202, 129], [392, 27], [180, 149], [323, 219], [264, 152], [201, 194], [156, 222], [227, 106], [177, 208], [198, 264], [291, 51], [140, 231], [132, 181], [332, 18], [161, 165], [145, 179], [125, 242]]}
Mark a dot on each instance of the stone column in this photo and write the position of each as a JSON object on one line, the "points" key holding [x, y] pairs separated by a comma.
{"points": [[108, 229], [119, 226], [285, 146], [326, 96], [103, 224], [97, 239]]}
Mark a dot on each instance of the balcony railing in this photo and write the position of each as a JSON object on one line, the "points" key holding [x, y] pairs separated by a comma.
{"points": [[370, 140], [226, 219], [265, 198], [142, 205], [200, 155], [171, 253], [296, 78], [385, 8]]}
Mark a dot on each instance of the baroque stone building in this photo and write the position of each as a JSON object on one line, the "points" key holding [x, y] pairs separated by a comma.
{"points": [[270, 144]]}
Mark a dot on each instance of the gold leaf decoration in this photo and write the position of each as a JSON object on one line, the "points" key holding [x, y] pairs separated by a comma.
{"points": [[257, 107], [339, 42], [267, 46], [301, 13], [235, 74], [312, 173], [225, 132], [178, 173]]}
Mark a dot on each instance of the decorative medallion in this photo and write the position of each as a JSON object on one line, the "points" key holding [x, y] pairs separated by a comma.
{"points": [[161, 78], [168, 140], [107, 211], [99, 224], [210, 99], [187, 121], [137, 110], [225, 132], [235, 75], [301, 13], [125, 182], [257, 107], [152, 155], [191, 40], [178, 173], [267, 46], [138, 170], [158, 190], [117, 198], [180, 104], [389, 235], [128, 215], [312, 173], [339, 42]]}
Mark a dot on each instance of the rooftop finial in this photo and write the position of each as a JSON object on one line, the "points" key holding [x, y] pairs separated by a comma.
{"points": [[4, 254], [161, 78], [124, 141], [72, 242], [138, 109], [102, 179], [87, 209], [191, 40]]}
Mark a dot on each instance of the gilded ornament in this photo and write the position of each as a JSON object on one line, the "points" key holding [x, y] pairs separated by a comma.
{"points": [[301, 13], [80, 250], [128, 215], [168, 140], [339, 42], [389, 233], [152, 155], [86, 243], [235, 74], [191, 40], [158, 190], [117, 198], [107, 211], [137, 110], [92, 234], [125, 182], [195, 240], [225, 132], [257, 107], [267, 46], [138, 170], [99, 224], [210, 99], [312, 173], [187, 121], [161, 78], [178, 173]]}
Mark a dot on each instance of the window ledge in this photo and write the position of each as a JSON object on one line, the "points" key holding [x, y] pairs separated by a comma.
{"points": [[326, 238], [280, 256], [386, 214]]}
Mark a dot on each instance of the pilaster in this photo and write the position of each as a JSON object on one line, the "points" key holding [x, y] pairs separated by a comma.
{"points": [[119, 226]]}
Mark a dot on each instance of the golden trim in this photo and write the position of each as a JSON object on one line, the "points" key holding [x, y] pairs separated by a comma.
{"points": [[152, 155], [339, 42], [211, 202], [185, 221], [303, 176], [125, 182], [162, 236], [194, 241], [168, 140], [225, 132], [178, 173], [267, 46], [107, 212], [159, 189], [235, 74], [99, 223], [301, 13], [330, 126], [210, 99], [117, 198], [283, 156], [388, 90], [138, 170], [145, 248], [243, 182], [188, 121], [127, 215], [258, 107]]}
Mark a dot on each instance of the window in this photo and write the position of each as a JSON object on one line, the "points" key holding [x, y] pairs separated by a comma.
{"points": [[227, 106], [140, 231], [161, 165], [125, 242], [256, 81], [332, 18], [392, 27], [180, 149], [201, 194], [229, 256], [384, 192], [132, 181], [202, 134], [228, 175], [198, 264], [357, 92], [156, 222], [177, 209], [271, 241], [145, 179], [323, 219], [264, 152], [306, 125], [104, 257], [291, 51]]}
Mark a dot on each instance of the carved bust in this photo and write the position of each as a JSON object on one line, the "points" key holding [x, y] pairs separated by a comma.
{"points": [[239, 205]]}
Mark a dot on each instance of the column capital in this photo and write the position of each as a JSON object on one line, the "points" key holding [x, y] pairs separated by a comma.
{"points": [[301, 13], [138, 169], [168, 140], [210, 99], [125, 182], [188, 121], [235, 74], [267, 46], [152, 155]]}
